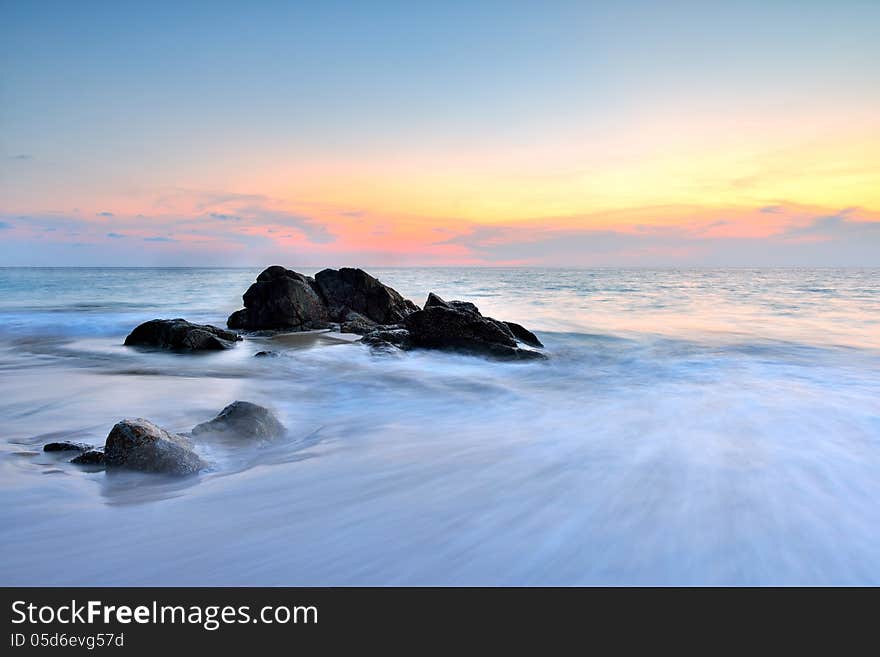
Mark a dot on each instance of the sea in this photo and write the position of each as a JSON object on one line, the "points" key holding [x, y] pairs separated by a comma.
{"points": [[690, 427]]}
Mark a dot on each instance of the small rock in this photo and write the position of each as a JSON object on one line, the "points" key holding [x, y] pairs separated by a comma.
{"points": [[242, 420], [265, 354], [141, 445], [66, 446], [91, 457]]}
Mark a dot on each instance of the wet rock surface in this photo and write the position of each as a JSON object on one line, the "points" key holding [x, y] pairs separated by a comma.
{"points": [[243, 420], [456, 326], [138, 444], [523, 334], [387, 337], [357, 323], [181, 335], [66, 446], [459, 326], [90, 457], [281, 299], [354, 290]]}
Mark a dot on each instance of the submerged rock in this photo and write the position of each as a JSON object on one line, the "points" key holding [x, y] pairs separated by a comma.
{"points": [[91, 457], [458, 325], [348, 289], [281, 299], [242, 420], [180, 334], [266, 354], [139, 444], [66, 446]]}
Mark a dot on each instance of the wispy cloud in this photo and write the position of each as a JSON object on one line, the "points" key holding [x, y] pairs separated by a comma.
{"points": [[681, 235], [839, 226], [104, 214], [21, 156], [314, 230], [833, 239], [201, 201]]}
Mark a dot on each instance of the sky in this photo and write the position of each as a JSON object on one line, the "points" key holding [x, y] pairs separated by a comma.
{"points": [[451, 133]]}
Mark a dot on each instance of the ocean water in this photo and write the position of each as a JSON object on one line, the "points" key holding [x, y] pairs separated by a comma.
{"points": [[690, 427]]}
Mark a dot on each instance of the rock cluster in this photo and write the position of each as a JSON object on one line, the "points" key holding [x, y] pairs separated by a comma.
{"points": [[352, 301], [363, 305], [457, 326], [138, 444], [285, 299]]}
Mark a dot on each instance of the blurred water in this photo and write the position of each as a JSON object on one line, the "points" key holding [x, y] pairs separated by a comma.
{"points": [[691, 427]]}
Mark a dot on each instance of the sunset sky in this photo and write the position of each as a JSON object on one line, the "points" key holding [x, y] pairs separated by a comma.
{"points": [[449, 133]]}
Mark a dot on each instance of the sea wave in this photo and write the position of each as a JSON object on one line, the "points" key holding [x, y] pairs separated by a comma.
{"points": [[718, 442]]}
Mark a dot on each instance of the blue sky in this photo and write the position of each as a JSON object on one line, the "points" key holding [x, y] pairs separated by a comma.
{"points": [[370, 126]]}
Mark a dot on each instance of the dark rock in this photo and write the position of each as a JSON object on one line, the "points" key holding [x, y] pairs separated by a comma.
{"points": [[348, 289], [523, 334], [281, 299], [66, 446], [141, 445], [181, 335], [242, 420], [460, 326], [514, 330], [91, 457], [358, 328], [440, 326], [357, 323], [387, 338], [266, 354], [378, 344], [433, 300], [462, 306]]}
